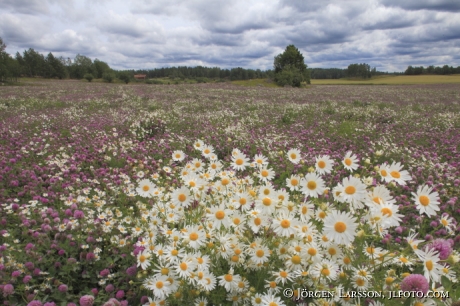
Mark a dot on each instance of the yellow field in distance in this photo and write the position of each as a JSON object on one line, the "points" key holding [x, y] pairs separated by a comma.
{"points": [[393, 80]]}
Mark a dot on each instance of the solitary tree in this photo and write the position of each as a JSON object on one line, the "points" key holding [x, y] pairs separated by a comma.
{"points": [[290, 68]]}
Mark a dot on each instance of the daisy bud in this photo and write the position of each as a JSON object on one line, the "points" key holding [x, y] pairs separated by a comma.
{"points": [[229, 139], [280, 153], [361, 233], [379, 153], [367, 161], [357, 175], [377, 168], [453, 259], [311, 169]]}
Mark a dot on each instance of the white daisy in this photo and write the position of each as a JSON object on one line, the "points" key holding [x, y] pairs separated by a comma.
{"points": [[312, 185], [340, 227], [145, 188], [159, 284], [266, 174], [324, 269], [240, 161], [378, 195], [199, 144], [350, 161], [207, 150], [194, 235], [143, 259], [219, 215], [294, 155], [229, 281], [427, 201], [323, 164], [354, 191], [398, 175], [293, 182], [181, 197], [260, 254], [260, 160], [284, 225], [178, 155], [431, 267]]}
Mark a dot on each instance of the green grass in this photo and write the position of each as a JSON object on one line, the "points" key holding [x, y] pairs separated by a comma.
{"points": [[392, 80], [255, 82]]}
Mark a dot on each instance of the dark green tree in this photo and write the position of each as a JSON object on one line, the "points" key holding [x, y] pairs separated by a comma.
{"points": [[108, 76], [88, 77], [125, 77], [98, 68], [290, 66]]}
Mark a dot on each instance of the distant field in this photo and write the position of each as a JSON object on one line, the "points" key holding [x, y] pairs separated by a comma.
{"points": [[394, 80]]}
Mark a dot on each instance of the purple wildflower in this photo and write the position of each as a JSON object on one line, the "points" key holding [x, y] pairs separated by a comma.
{"points": [[443, 246], [415, 282], [8, 289], [87, 300]]}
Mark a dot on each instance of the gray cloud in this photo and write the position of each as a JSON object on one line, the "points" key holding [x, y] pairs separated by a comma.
{"points": [[388, 34]]}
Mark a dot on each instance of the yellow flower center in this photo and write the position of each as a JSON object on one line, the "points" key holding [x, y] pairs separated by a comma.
{"points": [[293, 156], [332, 251], [257, 221], [225, 181], [239, 161], [424, 200], [228, 277], [142, 258], [294, 182], [182, 197], [395, 174], [340, 227], [220, 214], [350, 190], [174, 252], [377, 200], [295, 259], [325, 272], [283, 274], [311, 185], [386, 211], [264, 173], [348, 162], [260, 253], [164, 271], [429, 265], [383, 172], [321, 164], [159, 284], [360, 282], [183, 266], [193, 236], [146, 188], [285, 223], [242, 201], [267, 201], [312, 251], [178, 155]]}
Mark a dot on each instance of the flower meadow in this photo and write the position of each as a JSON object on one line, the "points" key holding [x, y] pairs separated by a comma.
{"points": [[213, 194]]}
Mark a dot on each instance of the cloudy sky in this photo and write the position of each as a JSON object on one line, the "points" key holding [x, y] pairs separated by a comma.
{"points": [[142, 34]]}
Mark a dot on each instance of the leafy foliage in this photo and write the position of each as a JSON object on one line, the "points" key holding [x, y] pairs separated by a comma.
{"points": [[290, 68], [88, 77]]}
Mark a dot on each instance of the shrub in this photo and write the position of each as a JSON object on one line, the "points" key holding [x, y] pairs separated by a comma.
{"points": [[108, 76], [89, 77]]}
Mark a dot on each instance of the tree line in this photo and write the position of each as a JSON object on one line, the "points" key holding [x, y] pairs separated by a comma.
{"points": [[432, 70]]}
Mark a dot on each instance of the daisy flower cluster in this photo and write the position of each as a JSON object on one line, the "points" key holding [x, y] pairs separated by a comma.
{"points": [[225, 232]]}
